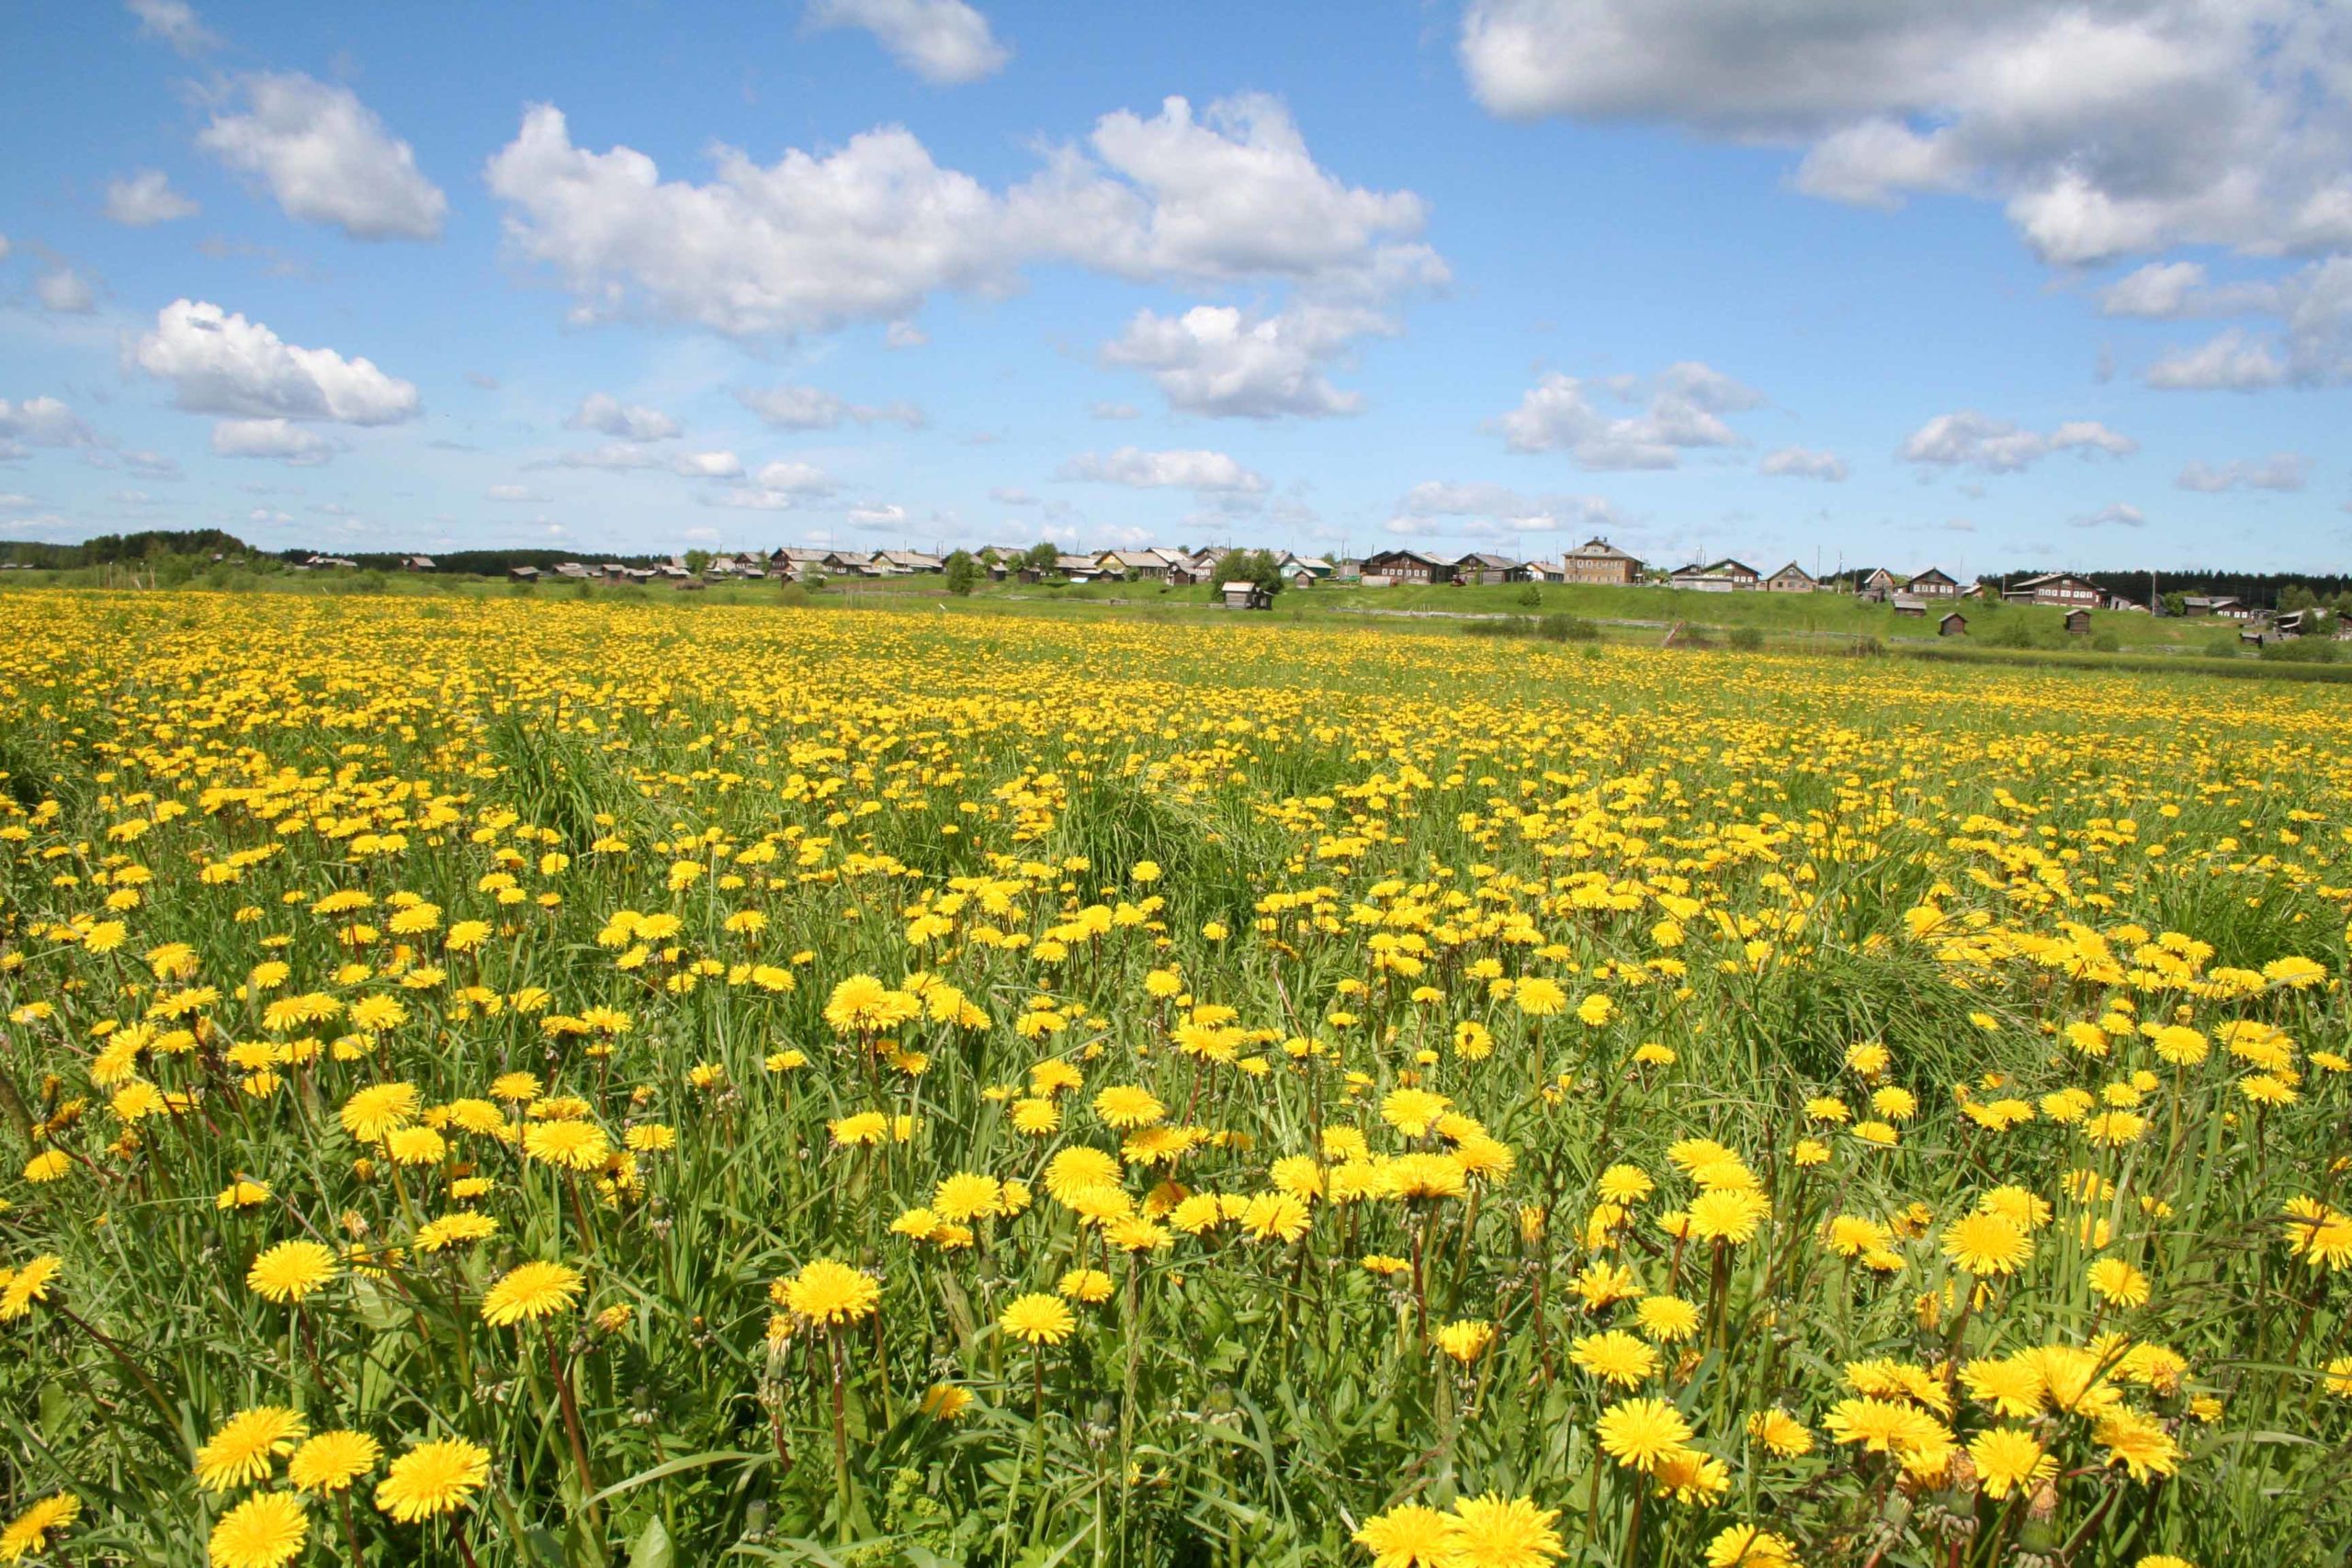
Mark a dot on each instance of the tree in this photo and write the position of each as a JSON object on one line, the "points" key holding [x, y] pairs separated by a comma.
{"points": [[1042, 556], [962, 572], [1248, 566], [697, 560], [2175, 604]]}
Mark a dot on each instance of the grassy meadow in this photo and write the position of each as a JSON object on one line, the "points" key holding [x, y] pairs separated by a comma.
{"points": [[525, 1081]]}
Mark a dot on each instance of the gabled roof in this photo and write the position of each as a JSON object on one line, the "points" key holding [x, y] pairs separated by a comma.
{"points": [[1486, 562], [1601, 550], [2051, 577], [1935, 574], [1403, 555], [1792, 567]]}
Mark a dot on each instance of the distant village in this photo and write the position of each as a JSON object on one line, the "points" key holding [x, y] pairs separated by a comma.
{"points": [[1247, 580]]}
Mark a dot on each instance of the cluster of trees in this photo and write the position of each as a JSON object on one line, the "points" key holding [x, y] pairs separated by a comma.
{"points": [[110, 549]]}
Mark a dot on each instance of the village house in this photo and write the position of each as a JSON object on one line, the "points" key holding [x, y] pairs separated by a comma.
{"points": [[1791, 579], [2059, 588], [1147, 566], [1391, 568], [1954, 624], [1725, 576], [1933, 583], [577, 571], [1910, 606], [2224, 604], [912, 560], [1874, 584], [1596, 560], [416, 563], [2078, 622], [1542, 572], [1478, 567], [1244, 596], [1078, 568], [1313, 565], [523, 573]]}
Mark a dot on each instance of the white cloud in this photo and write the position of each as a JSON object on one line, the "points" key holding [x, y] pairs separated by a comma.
{"points": [[607, 415], [327, 159], [2114, 515], [1685, 408], [905, 334], [2131, 125], [615, 455], [867, 231], [2313, 346], [1493, 510], [708, 465], [43, 422], [17, 500], [1116, 411], [152, 465], [1969, 439], [2230, 361], [65, 291], [796, 478], [811, 408], [512, 493], [877, 519], [1796, 462], [4, 247], [277, 438], [2159, 288], [1223, 362], [221, 362], [2282, 470], [1194, 469], [265, 516], [173, 22], [1011, 495], [946, 42], [146, 199]]}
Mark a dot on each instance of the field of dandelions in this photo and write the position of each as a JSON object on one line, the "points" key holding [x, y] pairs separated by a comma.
{"points": [[513, 1084]]}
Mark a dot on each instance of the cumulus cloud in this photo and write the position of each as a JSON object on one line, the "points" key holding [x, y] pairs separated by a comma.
{"points": [[1681, 409], [1969, 439], [708, 466], [614, 456], [143, 200], [2104, 129], [326, 158], [512, 493], [867, 231], [1207, 472], [2114, 515], [2281, 470], [2311, 345], [2230, 362], [65, 291], [904, 335], [221, 362], [1479, 508], [1114, 411], [946, 42], [607, 415], [797, 479], [43, 422], [877, 518], [278, 439], [1798, 462], [812, 408], [1011, 495], [1223, 361], [173, 22]]}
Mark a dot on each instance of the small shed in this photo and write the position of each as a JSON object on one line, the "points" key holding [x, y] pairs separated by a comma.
{"points": [[2078, 622], [1954, 624], [1909, 607], [523, 573], [1244, 596]]}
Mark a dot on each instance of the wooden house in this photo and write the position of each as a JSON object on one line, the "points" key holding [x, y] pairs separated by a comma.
{"points": [[1244, 596], [1791, 579], [1954, 624], [2078, 622], [1598, 561], [1933, 583], [2059, 588], [1394, 568]]}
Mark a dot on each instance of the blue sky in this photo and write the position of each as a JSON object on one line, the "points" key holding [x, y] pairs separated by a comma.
{"points": [[1837, 281]]}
